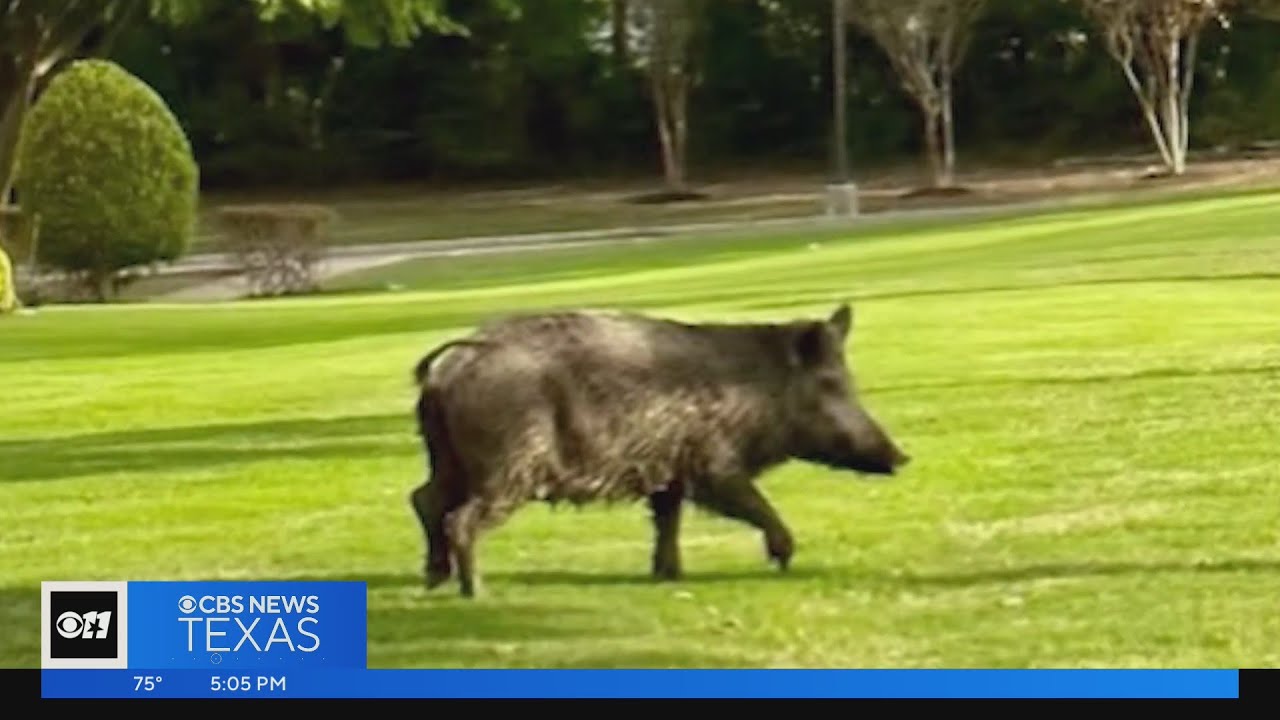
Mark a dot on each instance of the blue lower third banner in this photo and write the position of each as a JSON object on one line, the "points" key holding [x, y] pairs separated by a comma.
{"points": [[432, 684], [309, 640]]}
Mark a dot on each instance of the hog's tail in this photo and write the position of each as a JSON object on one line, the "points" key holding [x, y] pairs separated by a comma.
{"points": [[422, 370]]}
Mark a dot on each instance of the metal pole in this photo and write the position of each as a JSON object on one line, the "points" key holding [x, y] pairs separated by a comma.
{"points": [[838, 90]]}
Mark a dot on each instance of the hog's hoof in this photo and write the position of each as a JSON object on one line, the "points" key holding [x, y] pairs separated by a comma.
{"points": [[666, 574], [666, 567], [780, 549], [436, 576]]}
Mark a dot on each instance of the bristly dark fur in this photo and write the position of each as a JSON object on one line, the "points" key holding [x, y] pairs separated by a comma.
{"points": [[599, 407]]}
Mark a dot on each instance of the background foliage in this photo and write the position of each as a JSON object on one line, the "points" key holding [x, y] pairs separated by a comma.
{"points": [[538, 91]]}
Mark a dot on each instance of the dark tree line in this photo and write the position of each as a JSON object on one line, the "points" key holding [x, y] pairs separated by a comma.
{"points": [[674, 87]]}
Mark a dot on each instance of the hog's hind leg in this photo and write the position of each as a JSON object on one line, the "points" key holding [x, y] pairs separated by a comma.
{"points": [[432, 501], [464, 526], [444, 490], [665, 506]]}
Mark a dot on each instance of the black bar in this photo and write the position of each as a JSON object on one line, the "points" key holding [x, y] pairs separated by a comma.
{"points": [[1260, 685], [19, 684]]}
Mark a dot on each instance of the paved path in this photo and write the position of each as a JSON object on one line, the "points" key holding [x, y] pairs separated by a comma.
{"points": [[352, 258]]}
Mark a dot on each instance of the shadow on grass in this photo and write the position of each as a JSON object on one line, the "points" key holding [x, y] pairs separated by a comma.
{"points": [[571, 578], [802, 300], [273, 324], [959, 579], [507, 626], [20, 622], [1152, 374], [519, 656], [509, 582], [1065, 570], [170, 449], [504, 581]]}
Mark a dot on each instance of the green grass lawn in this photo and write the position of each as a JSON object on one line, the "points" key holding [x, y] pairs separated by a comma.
{"points": [[1089, 398]]}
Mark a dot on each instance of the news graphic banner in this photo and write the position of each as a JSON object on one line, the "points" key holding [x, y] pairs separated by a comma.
{"points": [[309, 640], [196, 639]]}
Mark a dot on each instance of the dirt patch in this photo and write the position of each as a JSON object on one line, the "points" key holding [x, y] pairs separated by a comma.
{"points": [[949, 191], [664, 197]]}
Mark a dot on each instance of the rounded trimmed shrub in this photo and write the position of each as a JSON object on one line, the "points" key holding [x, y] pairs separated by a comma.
{"points": [[110, 173]]}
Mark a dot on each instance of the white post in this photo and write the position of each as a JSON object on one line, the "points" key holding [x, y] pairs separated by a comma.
{"points": [[842, 193]]}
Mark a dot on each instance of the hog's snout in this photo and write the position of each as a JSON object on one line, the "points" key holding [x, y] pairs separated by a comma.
{"points": [[877, 454], [882, 461], [898, 458]]}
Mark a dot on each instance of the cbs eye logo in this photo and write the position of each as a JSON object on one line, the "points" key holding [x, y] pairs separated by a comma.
{"points": [[187, 604], [91, 625]]}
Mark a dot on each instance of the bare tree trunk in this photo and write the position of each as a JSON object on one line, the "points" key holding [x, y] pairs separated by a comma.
{"points": [[925, 41], [1150, 35], [128, 11], [34, 58], [15, 99], [948, 135], [1184, 102], [1173, 107], [669, 80], [672, 168], [1149, 113], [273, 83], [679, 118], [933, 145], [618, 36], [100, 285], [317, 132]]}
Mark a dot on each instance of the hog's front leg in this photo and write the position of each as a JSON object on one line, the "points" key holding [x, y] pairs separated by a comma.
{"points": [[743, 501]]}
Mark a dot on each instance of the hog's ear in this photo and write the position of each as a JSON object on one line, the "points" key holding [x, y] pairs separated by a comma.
{"points": [[810, 344], [842, 320]]}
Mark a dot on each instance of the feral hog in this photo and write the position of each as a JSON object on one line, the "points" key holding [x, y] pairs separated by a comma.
{"points": [[582, 406]]}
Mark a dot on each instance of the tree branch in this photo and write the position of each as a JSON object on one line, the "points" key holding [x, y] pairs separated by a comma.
{"points": [[66, 34], [116, 25]]}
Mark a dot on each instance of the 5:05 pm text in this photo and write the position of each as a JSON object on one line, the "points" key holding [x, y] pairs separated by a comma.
{"points": [[246, 683]]}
